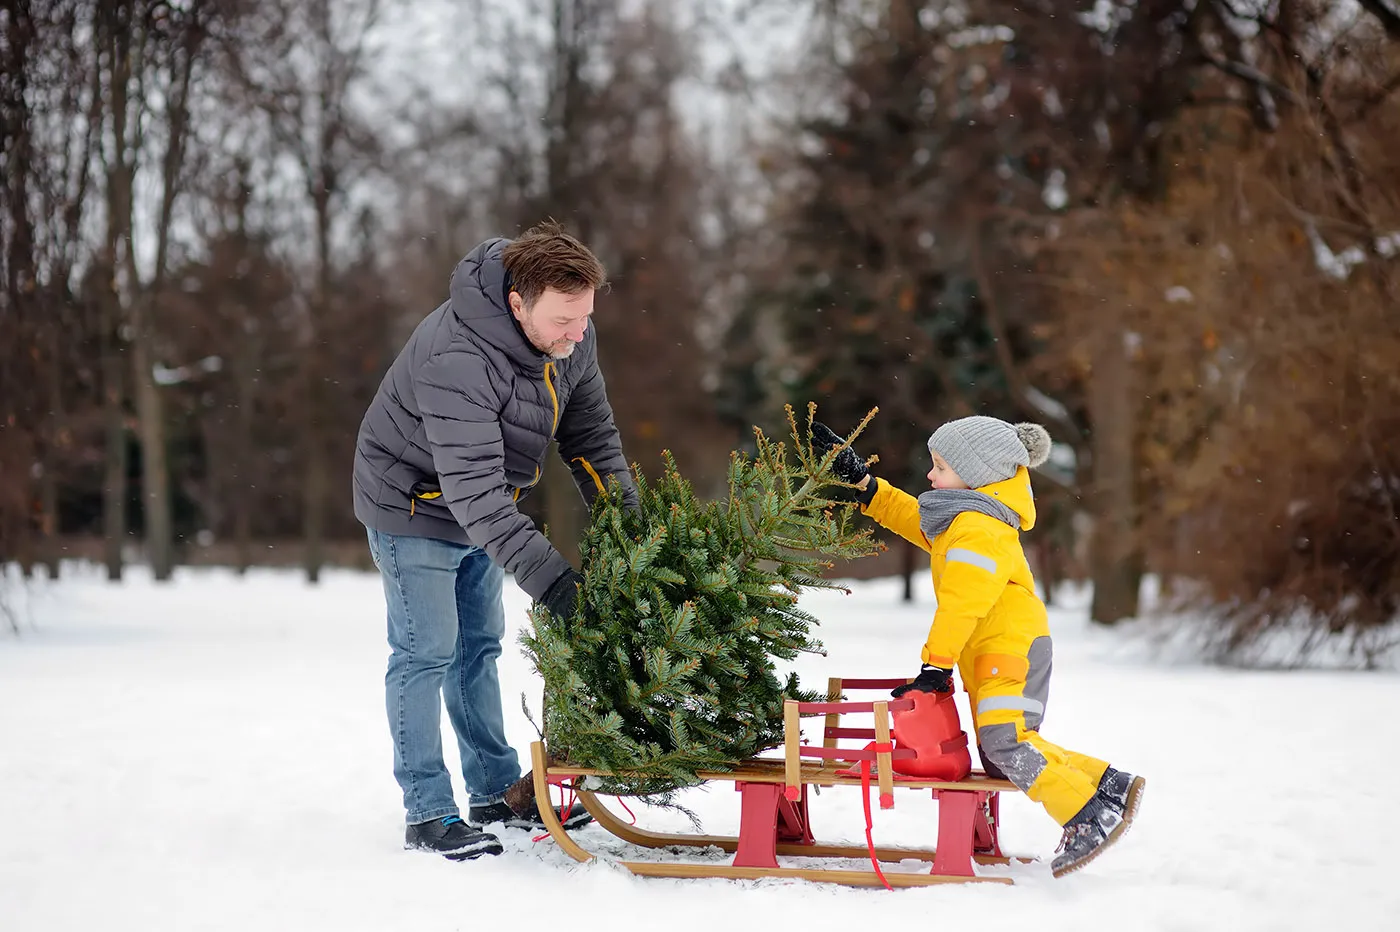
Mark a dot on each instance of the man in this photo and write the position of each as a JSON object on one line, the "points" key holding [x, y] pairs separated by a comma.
{"points": [[455, 437]]}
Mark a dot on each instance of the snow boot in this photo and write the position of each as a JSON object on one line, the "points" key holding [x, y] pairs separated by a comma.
{"points": [[1092, 829], [519, 810], [1123, 791], [452, 838]]}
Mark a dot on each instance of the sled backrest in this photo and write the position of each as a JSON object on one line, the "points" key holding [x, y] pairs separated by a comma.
{"points": [[882, 751]]}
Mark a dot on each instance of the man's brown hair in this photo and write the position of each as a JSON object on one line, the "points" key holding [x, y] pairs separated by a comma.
{"points": [[545, 256]]}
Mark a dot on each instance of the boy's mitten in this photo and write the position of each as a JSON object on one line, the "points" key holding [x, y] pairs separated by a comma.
{"points": [[929, 680], [848, 466]]}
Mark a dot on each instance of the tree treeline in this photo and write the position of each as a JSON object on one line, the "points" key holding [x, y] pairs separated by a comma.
{"points": [[221, 220], [1165, 229]]}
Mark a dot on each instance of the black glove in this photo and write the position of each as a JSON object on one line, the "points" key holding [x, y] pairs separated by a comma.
{"points": [[849, 466], [561, 598], [929, 680]]}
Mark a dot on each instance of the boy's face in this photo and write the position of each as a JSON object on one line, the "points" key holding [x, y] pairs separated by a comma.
{"points": [[943, 477]]}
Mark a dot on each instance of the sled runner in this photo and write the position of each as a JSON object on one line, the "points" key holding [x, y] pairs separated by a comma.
{"points": [[774, 811]]}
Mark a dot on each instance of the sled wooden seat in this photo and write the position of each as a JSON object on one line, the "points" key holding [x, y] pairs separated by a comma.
{"points": [[774, 812], [814, 773]]}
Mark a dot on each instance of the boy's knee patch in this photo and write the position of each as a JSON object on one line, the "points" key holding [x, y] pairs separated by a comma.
{"points": [[1019, 760]]}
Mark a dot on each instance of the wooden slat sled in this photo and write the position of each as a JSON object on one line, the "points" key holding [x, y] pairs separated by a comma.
{"points": [[774, 814]]}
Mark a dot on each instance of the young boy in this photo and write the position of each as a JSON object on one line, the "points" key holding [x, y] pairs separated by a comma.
{"points": [[990, 624]]}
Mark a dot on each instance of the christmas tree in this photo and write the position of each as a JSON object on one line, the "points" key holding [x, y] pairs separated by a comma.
{"points": [[669, 666]]}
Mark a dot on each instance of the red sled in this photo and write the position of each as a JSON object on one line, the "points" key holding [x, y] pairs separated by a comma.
{"points": [[918, 743]]}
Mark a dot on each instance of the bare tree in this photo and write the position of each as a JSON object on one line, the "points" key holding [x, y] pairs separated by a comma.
{"points": [[302, 61], [70, 123], [151, 54], [583, 125], [18, 317], [147, 261], [181, 33], [121, 47], [236, 303]]}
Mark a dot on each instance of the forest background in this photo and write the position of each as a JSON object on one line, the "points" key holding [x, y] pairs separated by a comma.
{"points": [[1165, 229]]}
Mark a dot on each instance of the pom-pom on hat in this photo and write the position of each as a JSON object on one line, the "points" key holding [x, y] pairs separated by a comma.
{"points": [[983, 450]]}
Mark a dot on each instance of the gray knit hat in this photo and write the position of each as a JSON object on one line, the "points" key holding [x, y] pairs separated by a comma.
{"points": [[983, 450]]}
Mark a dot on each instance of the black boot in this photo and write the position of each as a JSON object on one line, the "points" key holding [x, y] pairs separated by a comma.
{"points": [[1123, 791], [1092, 829], [452, 838], [519, 810]]}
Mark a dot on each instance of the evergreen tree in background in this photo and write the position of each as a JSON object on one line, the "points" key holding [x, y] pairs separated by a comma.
{"points": [[668, 669], [872, 294]]}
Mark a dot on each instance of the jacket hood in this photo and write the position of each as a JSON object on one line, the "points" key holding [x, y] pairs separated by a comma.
{"points": [[1015, 493], [478, 297]]}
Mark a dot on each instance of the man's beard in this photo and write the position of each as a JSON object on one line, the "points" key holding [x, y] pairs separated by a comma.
{"points": [[559, 349], [563, 349]]}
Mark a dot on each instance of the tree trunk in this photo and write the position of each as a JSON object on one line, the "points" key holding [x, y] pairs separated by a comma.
{"points": [[22, 320], [1046, 568], [150, 413], [48, 519], [115, 465], [150, 421], [245, 372], [1115, 552], [314, 459], [57, 446], [314, 481], [64, 317], [114, 27]]}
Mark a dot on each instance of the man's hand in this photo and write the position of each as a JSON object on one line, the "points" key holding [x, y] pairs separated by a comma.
{"points": [[561, 598], [929, 680], [848, 466]]}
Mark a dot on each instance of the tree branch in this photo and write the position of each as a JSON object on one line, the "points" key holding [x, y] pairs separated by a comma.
{"points": [[1020, 388], [1380, 96], [1387, 13], [1252, 75]]}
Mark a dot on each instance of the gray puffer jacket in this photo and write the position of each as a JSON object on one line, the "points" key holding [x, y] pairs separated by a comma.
{"points": [[460, 426]]}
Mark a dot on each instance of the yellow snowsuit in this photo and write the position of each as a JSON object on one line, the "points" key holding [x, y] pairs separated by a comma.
{"points": [[992, 626]]}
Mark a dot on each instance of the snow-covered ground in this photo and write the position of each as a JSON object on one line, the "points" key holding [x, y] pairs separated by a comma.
{"points": [[212, 754]]}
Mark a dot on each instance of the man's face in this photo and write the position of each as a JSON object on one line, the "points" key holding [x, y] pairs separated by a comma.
{"points": [[557, 321]]}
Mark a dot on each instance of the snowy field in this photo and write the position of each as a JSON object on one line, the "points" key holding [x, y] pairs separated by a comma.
{"points": [[212, 755]]}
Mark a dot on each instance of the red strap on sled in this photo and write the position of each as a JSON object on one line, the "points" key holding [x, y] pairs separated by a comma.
{"points": [[623, 804], [869, 823], [563, 811]]}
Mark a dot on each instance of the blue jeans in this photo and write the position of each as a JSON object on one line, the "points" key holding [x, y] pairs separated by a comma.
{"points": [[446, 620]]}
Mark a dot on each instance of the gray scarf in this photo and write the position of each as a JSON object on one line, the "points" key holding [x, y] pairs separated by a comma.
{"points": [[938, 508]]}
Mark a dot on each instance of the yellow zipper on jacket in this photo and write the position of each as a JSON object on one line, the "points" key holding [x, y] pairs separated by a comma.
{"points": [[554, 397], [597, 480]]}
